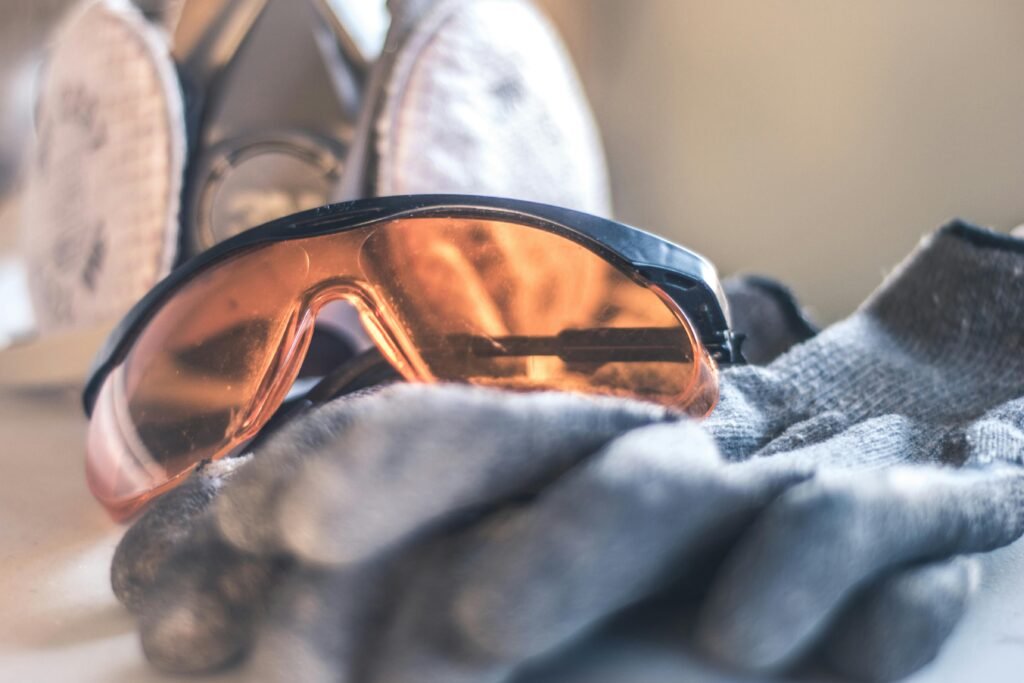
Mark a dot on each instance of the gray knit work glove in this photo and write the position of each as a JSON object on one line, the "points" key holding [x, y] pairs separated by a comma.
{"points": [[819, 519]]}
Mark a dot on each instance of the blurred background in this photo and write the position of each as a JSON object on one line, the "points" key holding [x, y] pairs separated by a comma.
{"points": [[814, 141]]}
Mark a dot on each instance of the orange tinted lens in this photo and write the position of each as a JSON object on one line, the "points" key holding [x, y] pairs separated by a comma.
{"points": [[508, 305], [487, 302]]}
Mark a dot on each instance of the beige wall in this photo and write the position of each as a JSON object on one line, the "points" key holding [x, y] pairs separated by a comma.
{"points": [[813, 140]]}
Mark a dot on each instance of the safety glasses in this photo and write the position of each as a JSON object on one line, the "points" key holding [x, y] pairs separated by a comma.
{"points": [[486, 291]]}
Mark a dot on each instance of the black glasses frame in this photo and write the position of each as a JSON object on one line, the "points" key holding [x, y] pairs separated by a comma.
{"points": [[686, 277]]}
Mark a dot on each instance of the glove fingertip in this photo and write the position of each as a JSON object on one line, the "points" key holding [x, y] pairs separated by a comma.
{"points": [[151, 541], [201, 611]]}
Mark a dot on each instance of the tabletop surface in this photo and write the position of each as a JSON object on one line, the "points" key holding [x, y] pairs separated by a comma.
{"points": [[59, 620]]}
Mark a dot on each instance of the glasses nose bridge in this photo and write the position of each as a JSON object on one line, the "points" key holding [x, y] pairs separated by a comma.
{"points": [[336, 272], [353, 290], [339, 270]]}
